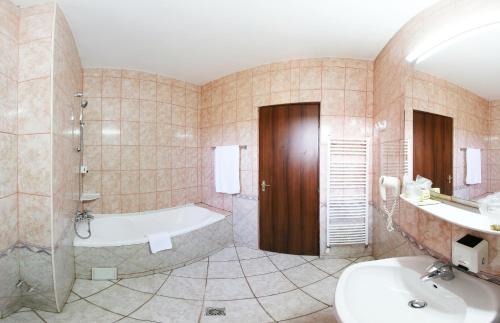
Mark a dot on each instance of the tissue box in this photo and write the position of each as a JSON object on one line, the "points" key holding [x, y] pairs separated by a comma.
{"points": [[470, 253]]}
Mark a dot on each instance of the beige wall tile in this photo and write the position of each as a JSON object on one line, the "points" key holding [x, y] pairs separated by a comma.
{"points": [[111, 109], [34, 164], [35, 219], [8, 160], [35, 59], [111, 87]]}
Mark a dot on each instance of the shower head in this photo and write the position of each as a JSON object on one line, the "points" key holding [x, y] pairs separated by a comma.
{"points": [[84, 103], [78, 94]]}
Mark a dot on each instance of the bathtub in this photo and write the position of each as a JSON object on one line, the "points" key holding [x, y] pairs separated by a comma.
{"points": [[120, 241]]}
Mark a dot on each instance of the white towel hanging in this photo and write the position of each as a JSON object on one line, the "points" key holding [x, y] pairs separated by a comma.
{"points": [[227, 169], [473, 164]]}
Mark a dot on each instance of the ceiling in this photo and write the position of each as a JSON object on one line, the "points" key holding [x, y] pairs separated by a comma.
{"points": [[470, 61], [201, 40]]}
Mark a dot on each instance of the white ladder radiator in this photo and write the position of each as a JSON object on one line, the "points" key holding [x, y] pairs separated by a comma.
{"points": [[347, 192]]}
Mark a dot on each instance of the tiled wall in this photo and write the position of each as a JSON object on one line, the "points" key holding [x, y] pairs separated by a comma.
{"points": [[67, 80], [140, 141], [494, 147], [471, 126], [229, 115], [393, 95], [34, 154], [229, 110], [40, 161], [9, 265]]}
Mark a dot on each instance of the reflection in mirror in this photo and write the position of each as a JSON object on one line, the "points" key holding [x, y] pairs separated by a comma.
{"points": [[452, 119]]}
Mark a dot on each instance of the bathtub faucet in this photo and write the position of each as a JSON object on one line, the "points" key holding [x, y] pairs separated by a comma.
{"points": [[83, 216]]}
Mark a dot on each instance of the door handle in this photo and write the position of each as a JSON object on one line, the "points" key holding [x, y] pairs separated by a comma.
{"points": [[450, 178], [263, 185]]}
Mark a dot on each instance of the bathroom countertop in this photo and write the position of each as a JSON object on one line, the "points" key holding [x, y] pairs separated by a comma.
{"points": [[456, 215]]}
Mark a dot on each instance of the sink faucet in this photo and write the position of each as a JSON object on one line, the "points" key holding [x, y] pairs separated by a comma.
{"points": [[438, 270]]}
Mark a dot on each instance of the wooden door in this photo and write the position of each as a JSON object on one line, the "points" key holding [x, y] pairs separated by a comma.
{"points": [[289, 164], [433, 149]]}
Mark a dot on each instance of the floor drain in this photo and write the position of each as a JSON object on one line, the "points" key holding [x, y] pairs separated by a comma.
{"points": [[215, 311], [416, 303]]}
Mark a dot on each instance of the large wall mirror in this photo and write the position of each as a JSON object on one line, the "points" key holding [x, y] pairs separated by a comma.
{"points": [[453, 125]]}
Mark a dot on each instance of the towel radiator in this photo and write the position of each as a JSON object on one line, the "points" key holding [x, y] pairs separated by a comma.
{"points": [[347, 192]]}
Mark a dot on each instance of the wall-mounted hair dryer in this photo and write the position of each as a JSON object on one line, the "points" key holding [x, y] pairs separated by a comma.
{"points": [[393, 184], [388, 183]]}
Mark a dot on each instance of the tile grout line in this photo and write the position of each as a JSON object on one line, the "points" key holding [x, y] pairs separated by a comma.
{"points": [[299, 288], [249, 287], [200, 316], [152, 295]]}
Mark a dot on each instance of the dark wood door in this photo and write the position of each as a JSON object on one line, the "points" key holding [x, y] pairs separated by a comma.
{"points": [[289, 164], [433, 149]]}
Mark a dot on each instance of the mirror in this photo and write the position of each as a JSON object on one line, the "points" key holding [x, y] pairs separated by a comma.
{"points": [[452, 115]]}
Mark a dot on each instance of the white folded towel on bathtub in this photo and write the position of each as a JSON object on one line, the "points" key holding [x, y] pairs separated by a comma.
{"points": [[159, 241]]}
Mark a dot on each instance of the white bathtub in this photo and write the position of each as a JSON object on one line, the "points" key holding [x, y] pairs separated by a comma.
{"points": [[113, 230]]}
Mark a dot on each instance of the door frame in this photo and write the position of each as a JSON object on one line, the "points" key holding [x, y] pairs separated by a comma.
{"points": [[320, 227]]}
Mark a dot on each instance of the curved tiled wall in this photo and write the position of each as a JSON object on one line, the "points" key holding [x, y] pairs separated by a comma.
{"points": [[396, 86]]}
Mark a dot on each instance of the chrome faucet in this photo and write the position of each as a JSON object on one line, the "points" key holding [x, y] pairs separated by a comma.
{"points": [[438, 270], [84, 215]]}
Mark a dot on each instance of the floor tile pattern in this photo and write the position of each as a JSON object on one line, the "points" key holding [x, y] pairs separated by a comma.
{"points": [[252, 285]]}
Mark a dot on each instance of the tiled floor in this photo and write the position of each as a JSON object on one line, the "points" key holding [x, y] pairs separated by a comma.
{"points": [[252, 286]]}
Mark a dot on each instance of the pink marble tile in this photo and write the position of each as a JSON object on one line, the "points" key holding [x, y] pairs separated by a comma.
{"points": [[130, 88], [356, 79], [332, 103], [130, 110], [110, 109], [33, 27], [147, 157], [163, 199], [111, 87], [179, 96], [261, 84], [355, 103], [333, 78], [164, 157], [111, 158], [34, 164], [129, 157], [34, 106], [164, 92], [130, 203], [435, 233], [8, 105], [178, 115], [310, 78], [92, 157], [129, 133], [110, 133], [111, 183], [147, 181], [8, 218], [93, 110], [147, 134], [148, 90], [34, 219], [35, 59], [129, 182], [178, 197], [111, 204]]}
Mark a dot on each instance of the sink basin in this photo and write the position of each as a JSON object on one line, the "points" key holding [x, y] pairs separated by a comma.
{"points": [[380, 291]]}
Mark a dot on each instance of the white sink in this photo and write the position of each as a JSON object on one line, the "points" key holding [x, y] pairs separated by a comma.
{"points": [[379, 291]]}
